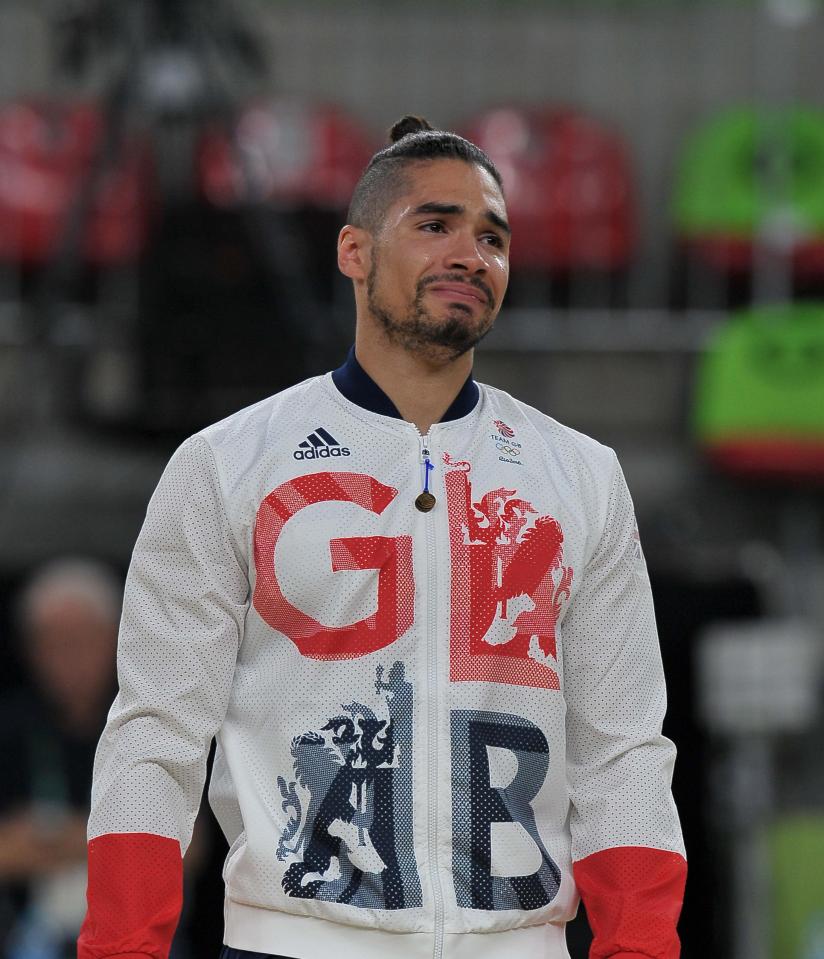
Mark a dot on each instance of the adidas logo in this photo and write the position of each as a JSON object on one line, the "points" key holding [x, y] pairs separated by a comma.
{"points": [[320, 445]]}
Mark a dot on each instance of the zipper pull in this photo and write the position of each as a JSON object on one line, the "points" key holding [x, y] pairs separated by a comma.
{"points": [[425, 500]]}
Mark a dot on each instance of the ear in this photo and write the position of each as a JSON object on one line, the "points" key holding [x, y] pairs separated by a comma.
{"points": [[354, 252]]}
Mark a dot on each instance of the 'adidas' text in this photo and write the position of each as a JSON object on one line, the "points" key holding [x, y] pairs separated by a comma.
{"points": [[320, 445]]}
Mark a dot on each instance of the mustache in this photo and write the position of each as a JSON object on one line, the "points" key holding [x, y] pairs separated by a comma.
{"points": [[475, 281]]}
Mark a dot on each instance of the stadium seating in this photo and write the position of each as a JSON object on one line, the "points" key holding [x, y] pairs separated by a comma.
{"points": [[796, 848], [759, 407], [297, 163], [569, 187], [750, 176], [285, 152], [63, 184]]}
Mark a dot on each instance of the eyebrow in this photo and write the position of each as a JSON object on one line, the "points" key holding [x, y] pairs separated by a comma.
{"points": [[453, 209]]}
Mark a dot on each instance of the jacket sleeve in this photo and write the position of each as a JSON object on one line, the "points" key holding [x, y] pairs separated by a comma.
{"points": [[185, 603], [628, 855]]}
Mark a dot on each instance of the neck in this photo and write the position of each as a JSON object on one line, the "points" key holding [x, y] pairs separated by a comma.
{"points": [[422, 389]]}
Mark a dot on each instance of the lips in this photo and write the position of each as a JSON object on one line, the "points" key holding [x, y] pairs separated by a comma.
{"points": [[460, 291]]}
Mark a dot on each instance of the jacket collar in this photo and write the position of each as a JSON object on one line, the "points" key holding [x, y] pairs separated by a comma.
{"points": [[358, 387]]}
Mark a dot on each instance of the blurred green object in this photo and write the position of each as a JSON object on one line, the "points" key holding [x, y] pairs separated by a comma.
{"points": [[796, 854], [738, 168], [759, 401]]}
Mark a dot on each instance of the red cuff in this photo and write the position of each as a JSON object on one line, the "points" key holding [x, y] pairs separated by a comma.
{"points": [[633, 897], [135, 894]]}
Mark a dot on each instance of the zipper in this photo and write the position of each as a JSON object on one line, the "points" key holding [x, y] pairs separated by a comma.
{"points": [[426, 461], [432, 667]]}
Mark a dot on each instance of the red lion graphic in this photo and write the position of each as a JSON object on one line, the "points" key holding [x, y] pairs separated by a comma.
{"points": [[498, 554]]}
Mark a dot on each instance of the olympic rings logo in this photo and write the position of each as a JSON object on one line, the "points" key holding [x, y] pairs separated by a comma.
{"points": [[509, 450]]}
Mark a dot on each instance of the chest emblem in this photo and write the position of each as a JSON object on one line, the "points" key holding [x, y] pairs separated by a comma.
{"points": [[509, 449]]}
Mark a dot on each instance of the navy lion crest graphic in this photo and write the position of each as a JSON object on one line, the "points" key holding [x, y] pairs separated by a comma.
{"points": [[348, 837]]}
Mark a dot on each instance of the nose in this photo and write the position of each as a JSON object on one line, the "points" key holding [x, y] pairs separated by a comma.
{"points": [[465, 253]]}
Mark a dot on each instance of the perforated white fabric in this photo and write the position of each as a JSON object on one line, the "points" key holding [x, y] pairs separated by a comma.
{"points": [[392, 691]]}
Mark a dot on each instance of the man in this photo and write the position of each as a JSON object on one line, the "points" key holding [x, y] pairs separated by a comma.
{"points": [[67, 631], [415, 614]]}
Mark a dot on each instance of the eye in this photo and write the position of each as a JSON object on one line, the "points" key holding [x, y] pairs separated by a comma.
{"points": [[493, 238], [436, 225]]}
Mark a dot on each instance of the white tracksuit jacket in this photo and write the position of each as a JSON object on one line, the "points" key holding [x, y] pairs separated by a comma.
{"points": [[435, 729]]}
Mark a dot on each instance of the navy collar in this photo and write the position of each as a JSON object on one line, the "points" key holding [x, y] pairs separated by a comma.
{"points": [[358, 387]]}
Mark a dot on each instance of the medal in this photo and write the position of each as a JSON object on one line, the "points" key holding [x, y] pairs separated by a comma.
{"points": [[425, 500]]}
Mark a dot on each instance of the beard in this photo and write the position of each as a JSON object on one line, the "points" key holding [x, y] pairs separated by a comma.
{"points": [[436, 338]]}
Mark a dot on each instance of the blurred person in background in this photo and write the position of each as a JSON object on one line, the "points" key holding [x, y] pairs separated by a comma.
{"points": [[67, 618]]}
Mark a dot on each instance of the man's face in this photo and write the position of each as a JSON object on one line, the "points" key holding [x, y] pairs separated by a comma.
{"points": [[440, 264]]}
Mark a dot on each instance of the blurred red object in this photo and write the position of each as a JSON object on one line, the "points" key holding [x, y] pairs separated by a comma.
{"points": [[285, 152], [568, 186], [737, 254], [48, 150]]}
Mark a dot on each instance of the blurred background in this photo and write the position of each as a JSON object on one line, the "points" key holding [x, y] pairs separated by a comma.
{"points": [[173, 174]]}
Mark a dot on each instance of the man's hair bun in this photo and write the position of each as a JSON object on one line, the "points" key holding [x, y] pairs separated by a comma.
{"points": [[406, 125]]}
